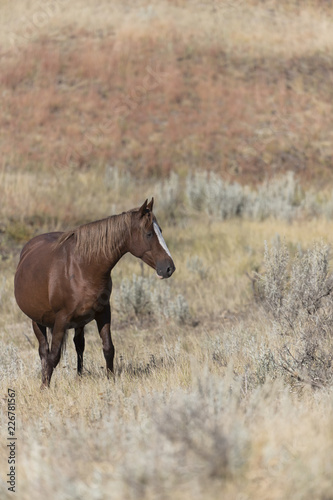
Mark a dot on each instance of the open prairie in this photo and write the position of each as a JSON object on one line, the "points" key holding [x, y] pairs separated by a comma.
{"points": [[224, 373]]}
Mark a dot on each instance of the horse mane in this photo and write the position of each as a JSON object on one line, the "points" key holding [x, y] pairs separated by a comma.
{"points": [[104, 236]]}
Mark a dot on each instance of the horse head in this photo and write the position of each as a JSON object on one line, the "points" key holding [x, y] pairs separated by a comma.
{"points": [[147, 241]]}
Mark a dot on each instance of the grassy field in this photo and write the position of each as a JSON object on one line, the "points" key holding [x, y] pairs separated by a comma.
{"points": [[104, 105]]}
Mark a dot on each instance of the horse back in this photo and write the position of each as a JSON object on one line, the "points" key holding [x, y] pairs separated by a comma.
{"points": [[46, 239]]}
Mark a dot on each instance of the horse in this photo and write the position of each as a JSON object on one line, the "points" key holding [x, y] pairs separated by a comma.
{"points": [[63, 279]]}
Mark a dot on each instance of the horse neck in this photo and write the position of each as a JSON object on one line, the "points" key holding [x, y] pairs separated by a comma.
{"points": [[105, 242], [120, 237]]}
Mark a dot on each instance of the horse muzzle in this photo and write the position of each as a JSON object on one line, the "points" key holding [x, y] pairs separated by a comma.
{"points": [[165, 269]]}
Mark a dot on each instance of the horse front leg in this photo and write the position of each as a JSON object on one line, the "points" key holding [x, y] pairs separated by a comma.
{"points": [[79, 346], [103, 320]]}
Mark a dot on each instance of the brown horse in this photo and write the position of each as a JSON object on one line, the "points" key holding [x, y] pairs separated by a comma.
{"points": [[63, 280]]}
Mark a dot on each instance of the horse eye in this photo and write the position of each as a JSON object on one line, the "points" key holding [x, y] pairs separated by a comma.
{"points": [[150, 235]]}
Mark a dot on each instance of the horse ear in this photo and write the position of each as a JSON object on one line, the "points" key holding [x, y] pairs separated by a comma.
{"points": [[143, 208], [151, 204]]}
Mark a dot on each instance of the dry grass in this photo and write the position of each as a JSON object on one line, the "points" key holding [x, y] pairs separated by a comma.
{"points": [[198, 438], [195, 411], [199, 410]]}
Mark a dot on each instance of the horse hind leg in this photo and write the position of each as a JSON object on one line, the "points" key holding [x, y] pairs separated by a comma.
{"points": [[79, 346], [40, 332]]}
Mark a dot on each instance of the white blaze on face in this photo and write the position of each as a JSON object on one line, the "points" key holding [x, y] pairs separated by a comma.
{"points": [[161, 239]]}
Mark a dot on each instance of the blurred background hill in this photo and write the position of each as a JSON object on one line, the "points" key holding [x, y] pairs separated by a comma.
{"points": [[242, 88]]}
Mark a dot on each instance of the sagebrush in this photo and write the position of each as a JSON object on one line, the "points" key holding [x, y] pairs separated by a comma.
{"points": [[297, 293]]}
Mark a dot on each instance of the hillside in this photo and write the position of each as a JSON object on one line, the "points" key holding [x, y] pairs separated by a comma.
{"points": [[242, 88]]}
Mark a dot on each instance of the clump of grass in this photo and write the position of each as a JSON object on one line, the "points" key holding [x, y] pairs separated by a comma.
{"points": [[279, 198], [176, 309], [196, 265], [140, 298], [208, 192], [198, 423], [169, 196], [297, 295], [134, 296], [11, 362]]}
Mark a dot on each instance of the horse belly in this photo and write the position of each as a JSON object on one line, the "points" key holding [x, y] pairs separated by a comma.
{"points": [[32, 298], [31, 285]]}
